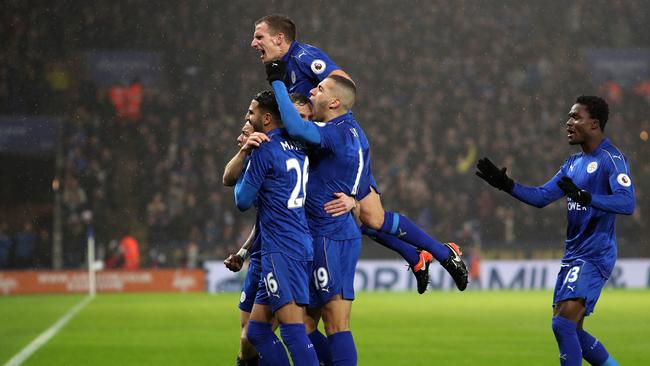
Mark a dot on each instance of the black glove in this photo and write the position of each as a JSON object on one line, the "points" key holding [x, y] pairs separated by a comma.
{"points": [[493, 175], [275, 70], [572, 191]]}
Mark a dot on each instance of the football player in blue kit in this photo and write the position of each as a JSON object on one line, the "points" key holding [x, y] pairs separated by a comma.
{"points": [[247, 141], [275, 180], [598, 186], [274, 37]]}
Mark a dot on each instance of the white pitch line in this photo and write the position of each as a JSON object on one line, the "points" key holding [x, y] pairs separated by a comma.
{"points": [[44, 337]]}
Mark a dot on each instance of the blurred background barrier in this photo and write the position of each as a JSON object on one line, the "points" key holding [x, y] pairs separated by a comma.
{"points": [[53, 282], [392, 275]]}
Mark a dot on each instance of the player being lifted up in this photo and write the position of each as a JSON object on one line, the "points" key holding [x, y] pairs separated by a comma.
{"points": [[597, 185], [275, 180], [306, 66]]}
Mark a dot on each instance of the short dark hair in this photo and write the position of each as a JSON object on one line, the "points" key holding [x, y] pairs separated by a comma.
{"points": [[279, 24], [596, 107], [299, 98], [348, 85], [268, 104]]}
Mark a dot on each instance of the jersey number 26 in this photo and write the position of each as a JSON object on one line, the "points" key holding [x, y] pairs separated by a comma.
{"points": [[302, 174]]}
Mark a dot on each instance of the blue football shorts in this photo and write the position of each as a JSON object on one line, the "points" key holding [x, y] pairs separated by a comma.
{"points": [[251, 284], [283, 280], [366, 181], [579, 280], [335, 262]]}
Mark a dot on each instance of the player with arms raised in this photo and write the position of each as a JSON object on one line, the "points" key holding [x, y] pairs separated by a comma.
{"points": [[597, 185]]}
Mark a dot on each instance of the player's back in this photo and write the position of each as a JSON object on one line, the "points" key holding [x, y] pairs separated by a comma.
{"points": [[306, 67], [591, 232], [335, 166], [280, 168]]}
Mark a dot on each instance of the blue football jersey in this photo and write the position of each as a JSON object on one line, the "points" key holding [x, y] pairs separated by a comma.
{"points": [[591, 232], [306, 67], [336, 165], [279, 169]]}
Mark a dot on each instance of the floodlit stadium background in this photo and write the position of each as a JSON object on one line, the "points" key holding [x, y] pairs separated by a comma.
{"points": [[440, 84]]}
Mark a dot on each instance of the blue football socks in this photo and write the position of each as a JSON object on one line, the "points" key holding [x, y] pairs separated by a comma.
{"points": [[301, 349], [593, 351], [405, 229], [269, 347], [322, 346], [344, 352], [567, 340], [392, 242]]}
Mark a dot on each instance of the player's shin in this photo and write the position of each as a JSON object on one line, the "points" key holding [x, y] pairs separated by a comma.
{"points": [[593, 351], [408, 252], [299, 346], [322, 347], [405, 229], [344, 352], [567, 341], [269, 347]]}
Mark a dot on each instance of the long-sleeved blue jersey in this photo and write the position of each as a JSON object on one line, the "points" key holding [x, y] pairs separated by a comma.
{"points": [[591, 232]]}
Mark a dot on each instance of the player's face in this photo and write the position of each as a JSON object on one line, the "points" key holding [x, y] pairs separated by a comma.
{"points": [[268, 45], [246, 131], [320, 98], [254, 116], [305, 111], [578, 124]]}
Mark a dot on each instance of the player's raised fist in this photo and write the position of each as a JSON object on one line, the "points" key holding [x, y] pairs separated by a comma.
{"points": [[234, 262], [275, 70]]}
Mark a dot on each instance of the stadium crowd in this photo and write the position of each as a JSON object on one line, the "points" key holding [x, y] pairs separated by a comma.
{"points": [[435, 94]]}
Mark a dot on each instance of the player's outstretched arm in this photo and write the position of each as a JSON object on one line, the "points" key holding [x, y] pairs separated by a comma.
{"points": [[535, 196], [295, 126], [234, 262]]}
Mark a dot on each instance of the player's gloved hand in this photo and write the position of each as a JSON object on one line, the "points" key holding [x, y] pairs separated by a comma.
{"points": [[572, 191], [275, 70], [493, 175]]}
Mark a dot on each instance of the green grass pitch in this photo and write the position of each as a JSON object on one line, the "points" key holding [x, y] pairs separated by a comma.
{"points": [[438, 328]]}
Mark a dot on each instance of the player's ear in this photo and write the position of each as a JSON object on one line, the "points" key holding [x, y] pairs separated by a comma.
{"points": [[279, 39], [335, 103], [595, 124]]}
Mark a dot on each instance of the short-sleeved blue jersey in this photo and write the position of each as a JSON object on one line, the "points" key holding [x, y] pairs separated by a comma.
{"points": [[336, 165], [279, 170], [306, 67], [591, 232]]}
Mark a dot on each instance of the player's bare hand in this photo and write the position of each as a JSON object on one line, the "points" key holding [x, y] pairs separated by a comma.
{"points": [[234, 262], [341, 205], [254, 141]]}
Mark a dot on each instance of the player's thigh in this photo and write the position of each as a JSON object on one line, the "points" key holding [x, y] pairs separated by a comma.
{"points": [[244, 316], [372, 211], [573, 309], [290, 313], [336, 315]]}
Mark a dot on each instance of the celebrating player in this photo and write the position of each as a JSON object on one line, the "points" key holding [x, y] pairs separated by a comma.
{"points": [[247, 141], [598, 186], [275, 179], [274, 37]]}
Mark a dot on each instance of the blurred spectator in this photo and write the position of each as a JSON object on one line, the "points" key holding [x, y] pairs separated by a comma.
{"points": [[5, 245], [25, 243]]}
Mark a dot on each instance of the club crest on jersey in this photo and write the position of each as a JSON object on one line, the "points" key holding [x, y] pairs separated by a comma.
{"points": [[624, 180], [242, 298], [592, 167], [318, 66], [293, 77]]}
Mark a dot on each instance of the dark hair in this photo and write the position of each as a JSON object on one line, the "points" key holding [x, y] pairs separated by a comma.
{"points": [[279, 24], [299, 98], [268, 104], [596, 107]]}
